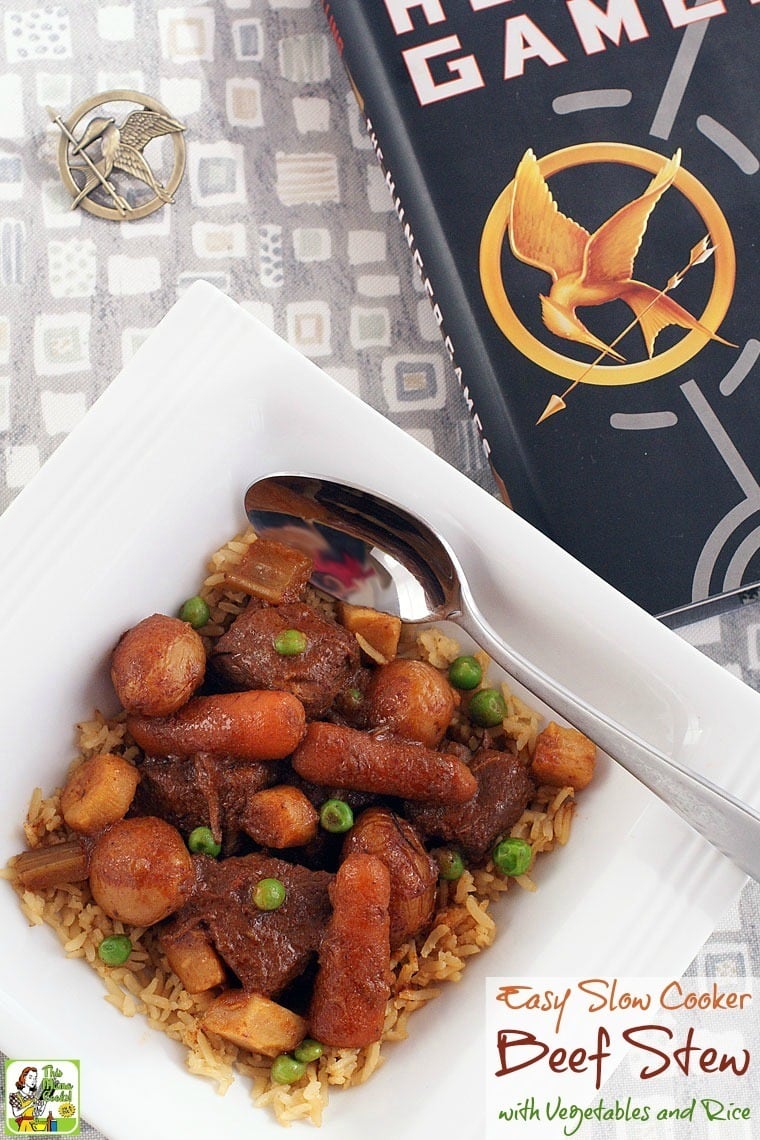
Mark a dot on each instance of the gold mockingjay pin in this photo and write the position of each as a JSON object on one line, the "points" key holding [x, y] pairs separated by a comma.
{"points": [[592, 269], [107, 147]]}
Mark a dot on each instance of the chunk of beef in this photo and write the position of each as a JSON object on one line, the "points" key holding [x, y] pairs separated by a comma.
{"points": [[504, 789], [245, 656], [201, 791], [317, 794], [266, 950], [351, 706]]}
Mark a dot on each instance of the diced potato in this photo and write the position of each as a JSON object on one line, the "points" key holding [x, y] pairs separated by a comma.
{"points": [[280, 816], [375, 631], [255, 1022], [98, 792], [272, 571], [370, 651], [563, 757], [195, 961]]}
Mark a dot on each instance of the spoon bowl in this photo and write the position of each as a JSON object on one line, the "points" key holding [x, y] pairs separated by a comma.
{"points": [[370, 551]]}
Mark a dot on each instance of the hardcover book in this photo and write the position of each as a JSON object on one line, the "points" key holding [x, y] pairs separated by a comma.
{"points": [[577, 182]]}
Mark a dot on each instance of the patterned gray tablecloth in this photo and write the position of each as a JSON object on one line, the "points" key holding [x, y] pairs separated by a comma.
{"points": [[283, 206]]}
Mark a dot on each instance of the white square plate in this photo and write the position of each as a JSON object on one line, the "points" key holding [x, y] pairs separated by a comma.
{"points": [[118, 524]]}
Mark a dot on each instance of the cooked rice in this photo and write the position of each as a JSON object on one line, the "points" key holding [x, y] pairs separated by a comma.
{"points": [[145, 985]]}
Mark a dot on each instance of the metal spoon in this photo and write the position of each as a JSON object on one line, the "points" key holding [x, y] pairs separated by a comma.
{"points": [[369, 551]]}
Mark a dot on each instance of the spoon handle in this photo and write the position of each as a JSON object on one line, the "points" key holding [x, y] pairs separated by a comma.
{"points": [[730, 825]]}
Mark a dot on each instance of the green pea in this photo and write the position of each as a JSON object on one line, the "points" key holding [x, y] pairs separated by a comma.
{"points": [[269, 894], [450, 863], [308, 1050], [290, 642], [201, 842], [286, 1069], [195, 611], [466, 672], [512, 856], [115, 950], [488, 708], [336, 816]]}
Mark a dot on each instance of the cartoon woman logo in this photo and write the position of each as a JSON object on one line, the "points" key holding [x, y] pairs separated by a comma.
{"points": [[589, 269], [27, 1105]]}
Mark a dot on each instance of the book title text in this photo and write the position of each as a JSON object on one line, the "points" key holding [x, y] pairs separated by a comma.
{"points": [[443, 68]]}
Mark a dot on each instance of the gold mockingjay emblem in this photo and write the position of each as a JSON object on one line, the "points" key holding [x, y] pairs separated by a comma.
{"points": [[120, 147], [592, 269], [701, 252]]}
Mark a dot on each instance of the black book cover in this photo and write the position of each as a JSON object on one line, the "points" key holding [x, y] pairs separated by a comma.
{"points": [[577, 180]]}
